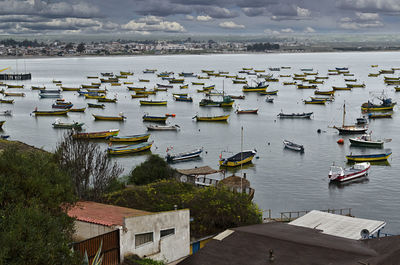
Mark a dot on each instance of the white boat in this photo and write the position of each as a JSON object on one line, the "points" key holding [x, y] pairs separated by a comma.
{"points": [[163, 127], [5, 113], [340, 174], [184, 156], [293, 146], [269, 99]]}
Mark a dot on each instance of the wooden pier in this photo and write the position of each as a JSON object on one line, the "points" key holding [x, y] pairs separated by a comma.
{"points": [[15, 76]]}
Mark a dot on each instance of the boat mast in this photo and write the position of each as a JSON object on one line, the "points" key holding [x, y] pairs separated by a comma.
{"points": [[241, 159], [344, 112]]}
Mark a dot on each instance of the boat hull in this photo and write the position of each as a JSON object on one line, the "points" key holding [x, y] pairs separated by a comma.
{"points": [[229, 162], [96, 135], [129, 149], [368, 158], [132, 138]]}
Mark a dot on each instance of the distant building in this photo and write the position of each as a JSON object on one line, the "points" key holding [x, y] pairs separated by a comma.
{"points": [[286, 244], [160, 236]]}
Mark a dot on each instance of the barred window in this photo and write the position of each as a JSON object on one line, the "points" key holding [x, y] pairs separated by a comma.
{"points": [[144, 238], [167, 232]]}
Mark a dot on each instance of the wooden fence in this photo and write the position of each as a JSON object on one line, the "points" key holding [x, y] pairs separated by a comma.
{"points": [[110, 249]]}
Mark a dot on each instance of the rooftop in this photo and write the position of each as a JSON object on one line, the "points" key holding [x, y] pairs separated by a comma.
{"points": [[206, 170], [103, 214], [338, 225]]}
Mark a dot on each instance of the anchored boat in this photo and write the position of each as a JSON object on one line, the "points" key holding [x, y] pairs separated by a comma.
{"points": [[293, 146], [238, 159], [96, 135], [184, 155], [211, 118], [340, 174], [368, 158], [366, 141], [130, 138], [120, 117], [128, 149]]}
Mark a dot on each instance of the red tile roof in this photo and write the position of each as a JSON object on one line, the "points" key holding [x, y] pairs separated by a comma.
{"points": [[103, 214]]}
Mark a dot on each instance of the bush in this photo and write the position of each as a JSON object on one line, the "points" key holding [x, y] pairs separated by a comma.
{"points": [[153, 169], [136, 260]]}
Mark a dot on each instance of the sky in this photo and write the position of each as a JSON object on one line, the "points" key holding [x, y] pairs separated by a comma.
{"points": [[198, 17]]}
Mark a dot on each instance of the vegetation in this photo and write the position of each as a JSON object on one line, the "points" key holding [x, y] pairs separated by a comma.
{"points": [[213, 209], [34, 192], [24, 43], [260, 47], [81, 47], [136, 260], [153, 169], [90, 168]]}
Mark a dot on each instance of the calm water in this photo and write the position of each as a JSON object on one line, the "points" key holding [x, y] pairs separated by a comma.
{"points": [[284, 180]]}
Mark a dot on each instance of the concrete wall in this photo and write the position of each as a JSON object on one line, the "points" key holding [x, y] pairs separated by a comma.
{"points": [[84, 230], [168, 248]]}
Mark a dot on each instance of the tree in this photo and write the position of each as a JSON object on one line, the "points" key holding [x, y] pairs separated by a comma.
{"points": [[34, 194], [69, 46], [90, 168], [81, 47], [153, 169]]}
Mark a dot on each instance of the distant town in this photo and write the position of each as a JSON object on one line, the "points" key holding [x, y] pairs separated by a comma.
{"points": [[36, 48]]}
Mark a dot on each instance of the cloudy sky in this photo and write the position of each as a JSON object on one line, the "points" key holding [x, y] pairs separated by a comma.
{"points": [[223, 17]]}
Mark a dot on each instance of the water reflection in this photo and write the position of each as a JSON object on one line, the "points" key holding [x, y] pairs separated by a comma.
{"points": [[340, 185]]}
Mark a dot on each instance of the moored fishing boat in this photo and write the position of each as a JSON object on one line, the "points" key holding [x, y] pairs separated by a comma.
{"points": [[77, 109], [64, 125], [261, 86], [272, 92], [386, 105], [99, 106], [2, 123], [70, 88], [340, 174], [147, 117], [293, 146], [304, 115], [120, 117], [211, 118], [366, 141], [15, 86], [350, 129], [50, 112], [7, 101], [128, 149], [369, 157], [237, 159], [107, 100], [380, 115], [14, 94], [96, 135], [163, 127], [153, 102], [341, 88], [313, 101], [184, 155], [140, 96], [329, 92], [246, 111], [130, 138], [183, 98], [227, 101]]}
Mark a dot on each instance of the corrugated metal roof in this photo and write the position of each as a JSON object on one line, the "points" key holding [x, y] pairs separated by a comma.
{"points": [[338, 225], [103, 214]]}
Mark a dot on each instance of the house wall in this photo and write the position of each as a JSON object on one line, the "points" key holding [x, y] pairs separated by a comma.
{"points": [[84, 230], [168, 248]]}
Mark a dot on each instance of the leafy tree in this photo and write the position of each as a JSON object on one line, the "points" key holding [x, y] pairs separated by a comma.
{"points": [[213, 209], [81, 47], [153, 169], [69, 46], [34, 193], [90, 168]]}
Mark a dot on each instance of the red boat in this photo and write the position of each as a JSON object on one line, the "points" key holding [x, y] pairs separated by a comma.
{"points": [[247, 111], [340, 174]]}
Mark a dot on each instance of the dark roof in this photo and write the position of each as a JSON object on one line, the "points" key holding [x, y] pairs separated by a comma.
{"points": [[294, 245]]}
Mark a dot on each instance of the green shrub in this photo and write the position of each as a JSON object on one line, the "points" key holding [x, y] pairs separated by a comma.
{"points": [[153, 169]]}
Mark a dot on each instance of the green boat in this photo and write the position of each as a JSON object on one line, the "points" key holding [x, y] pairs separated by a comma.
{"points": [[227, 101]]}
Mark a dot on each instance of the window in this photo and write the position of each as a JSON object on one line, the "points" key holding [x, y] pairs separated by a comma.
{"points": [[141, 239], [167, 232]]}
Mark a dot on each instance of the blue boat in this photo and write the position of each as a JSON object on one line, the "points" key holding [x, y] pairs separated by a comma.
{"points": [[183, 98], [49, 95], [184, 156]]}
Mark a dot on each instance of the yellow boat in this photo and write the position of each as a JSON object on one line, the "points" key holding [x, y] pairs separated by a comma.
{"points": [[15, 86], [153, 102], [341, 88], [259, 71], [176, 81], [96, 135], [7, 101], [90, 86], [77, 110], [128, 149], [14, 94], [289, 83], [312, 101], [128, 83], [130, 138], [207, 71], [212, 118], [50, 112], [284, 75], [148, 92], [125, 73], [92, 77], [1, 123], [109, 118], [203, 77], [144, 80], [136, 88], [368, 158], [197, 83], [239, 81], [184, 86], [109, 100], [70, 88], [94, 97], [115, 84], [140, 96], [238, 159], [329, 92], [374, 65], [121, 76]]}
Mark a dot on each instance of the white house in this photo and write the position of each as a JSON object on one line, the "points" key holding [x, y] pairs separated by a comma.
{"points": [[160, 236]]}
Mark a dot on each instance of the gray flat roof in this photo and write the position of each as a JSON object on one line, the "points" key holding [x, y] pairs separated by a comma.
{"points": [[338, 225]]}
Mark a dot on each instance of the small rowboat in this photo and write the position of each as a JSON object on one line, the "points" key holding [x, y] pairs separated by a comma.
{"points": [[272, 92], [96, 135], [366, 141], [70, 88], [136, 88], [90, 86], [1, 123], [312, 101], [144, 80], [238, 159], [50, 112], [77, 110], [211, 118], [368, 158], [148, 92], [92, 77], [246, 111], [184, 156], [62, 106], [99, 106], [108, 100], [184, 86], [163, 127], [198, 83], [14, 94], [237, 97], [183, 98], [89, 96], [341, 88], [239, 81], [304, 115], [329, 92], [340, 174], [130, 138], [140, 96], [128, 149], [293, 146], [120, 117], [15, 86], [38, 87], [63, 125], [153, 102], [379, 115], [154, 118], [49, 95], [7, 101], [164, 86]]}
